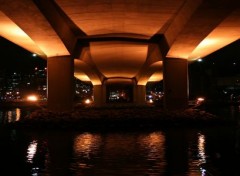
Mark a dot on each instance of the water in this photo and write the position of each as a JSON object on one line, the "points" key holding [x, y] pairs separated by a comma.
{"points": [[167, 152]]}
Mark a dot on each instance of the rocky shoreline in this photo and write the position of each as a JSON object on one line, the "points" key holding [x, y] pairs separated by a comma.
{"points": [[122, 118]]}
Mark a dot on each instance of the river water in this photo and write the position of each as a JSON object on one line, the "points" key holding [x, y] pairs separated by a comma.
{"points": [[168, 151]]}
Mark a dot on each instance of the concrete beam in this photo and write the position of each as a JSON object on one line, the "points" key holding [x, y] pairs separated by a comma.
{"points": [[61, 23], [27, 17]]}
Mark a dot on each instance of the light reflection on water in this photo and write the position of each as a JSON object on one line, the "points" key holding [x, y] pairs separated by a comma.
{"points": [[31, 151], [11, 115], [114, 154], [201, 149], [85, 147], [201, 152], [154, 145], [162, 152], [86, 144]]}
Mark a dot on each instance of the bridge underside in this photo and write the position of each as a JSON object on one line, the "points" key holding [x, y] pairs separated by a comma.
{"points": [[119, 42]]}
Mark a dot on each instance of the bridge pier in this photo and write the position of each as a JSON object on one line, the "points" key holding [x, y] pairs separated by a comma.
{"points": [[60, 82], [175, 80], [99, 94], [136, 93], [139, 94]]}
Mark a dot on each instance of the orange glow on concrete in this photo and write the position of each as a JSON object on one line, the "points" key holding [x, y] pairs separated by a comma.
{"points": [[129, 17], [82, 76], [118, 59], [35, 35], [118, 80], [14, 33], [225, 33], [194, 41], [157, 76], [153, 73], [85, 72]]}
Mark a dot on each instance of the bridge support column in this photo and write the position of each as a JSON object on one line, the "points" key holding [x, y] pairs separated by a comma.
{"points": [[175, 80], [60, 82], [139, 94], [99, 94]]}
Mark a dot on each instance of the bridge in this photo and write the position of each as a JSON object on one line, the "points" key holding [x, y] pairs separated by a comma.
{"points": [[116, 42]]}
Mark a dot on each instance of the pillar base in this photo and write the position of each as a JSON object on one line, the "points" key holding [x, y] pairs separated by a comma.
{"points": [[99, 94], [139, 94]]}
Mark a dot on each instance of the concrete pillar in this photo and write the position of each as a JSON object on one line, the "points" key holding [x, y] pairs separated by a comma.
{"points": [[99, 95], [175, 81], [60, 82], [139, 94]]}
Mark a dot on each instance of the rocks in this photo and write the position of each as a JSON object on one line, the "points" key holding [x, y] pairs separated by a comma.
{"points": [[116, 117]]}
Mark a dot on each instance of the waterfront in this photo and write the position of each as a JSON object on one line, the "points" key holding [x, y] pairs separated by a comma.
{"points": [[164, 151]]}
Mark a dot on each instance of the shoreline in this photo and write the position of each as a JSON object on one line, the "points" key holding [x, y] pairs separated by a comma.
{"points": [[119, 118]]}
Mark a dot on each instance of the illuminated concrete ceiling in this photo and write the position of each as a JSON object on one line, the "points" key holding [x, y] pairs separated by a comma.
{"points": [[100, 17], [120, 39], [34, 32], [117, 59]]}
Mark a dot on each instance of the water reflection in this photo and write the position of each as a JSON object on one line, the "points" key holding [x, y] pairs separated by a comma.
{"points": [[13, 115], [174, 151], [85, 148], [154, 144], [201, 149], [8, 116], [37, 157], [201, 153], [86, 144], [31, 151]]}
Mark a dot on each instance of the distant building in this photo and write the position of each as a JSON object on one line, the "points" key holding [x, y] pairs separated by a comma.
{"points": [[230, 87], [16, 86], [83, 90]]}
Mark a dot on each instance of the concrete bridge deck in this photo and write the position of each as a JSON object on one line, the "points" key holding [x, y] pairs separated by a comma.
{"points": [[128, 42]]}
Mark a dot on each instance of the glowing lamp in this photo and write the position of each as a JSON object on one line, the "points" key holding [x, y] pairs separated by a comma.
{"points": [[200, 100], [87, 101], [32, 98], [150, 101]]}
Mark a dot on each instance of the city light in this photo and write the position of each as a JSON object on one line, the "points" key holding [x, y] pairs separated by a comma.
{"points": [[87, 101], [150, 101], [200, 100], [32, 98]]}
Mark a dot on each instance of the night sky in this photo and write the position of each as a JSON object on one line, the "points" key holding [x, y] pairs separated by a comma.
{"points": [[16, 59], [224, 62]]}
